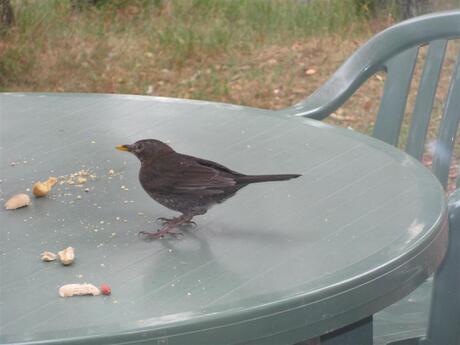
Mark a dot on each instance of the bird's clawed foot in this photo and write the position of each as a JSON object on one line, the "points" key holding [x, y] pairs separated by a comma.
{"points": [[159, 234], [168, 226], [163, 220], [190, 223]]}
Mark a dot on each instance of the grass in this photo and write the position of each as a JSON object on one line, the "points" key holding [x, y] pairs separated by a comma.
{"points": [[251, 52], [137, 38]]}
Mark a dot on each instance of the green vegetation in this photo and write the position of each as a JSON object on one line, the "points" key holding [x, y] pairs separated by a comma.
{"points": [[261, 53], [176, 32]]}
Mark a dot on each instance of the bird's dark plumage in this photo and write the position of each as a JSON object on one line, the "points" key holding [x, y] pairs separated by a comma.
{"points": [[185, 183]]}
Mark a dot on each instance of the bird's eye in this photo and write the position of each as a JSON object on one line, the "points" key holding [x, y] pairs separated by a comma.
{"points": [[139, 147]]}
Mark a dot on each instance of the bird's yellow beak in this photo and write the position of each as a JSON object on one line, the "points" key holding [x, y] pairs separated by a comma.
{"points": [[122, 147]]}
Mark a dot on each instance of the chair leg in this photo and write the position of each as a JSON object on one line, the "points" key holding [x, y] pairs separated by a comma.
{"points": [[444, 319], [358, 333]]}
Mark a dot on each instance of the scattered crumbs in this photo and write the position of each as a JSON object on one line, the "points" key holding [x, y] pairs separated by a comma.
{"points": [[81, 180], [115, 301], [113, 234], [111, 172], [101, 222], [12, 164], [27, 189], [80, 275], [140, 213], [125, 220], [172, 285], [77, 178], [170, 250], [325, 219], [86, 190], [248, 146], [79, 196], [99, 246], [102, 265], [93, 142], [189, 293], [117, 218]]}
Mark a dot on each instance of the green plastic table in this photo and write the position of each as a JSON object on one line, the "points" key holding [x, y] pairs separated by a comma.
{"points": [[276, 264]]}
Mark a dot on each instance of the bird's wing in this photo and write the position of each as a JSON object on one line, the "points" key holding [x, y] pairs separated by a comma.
{"points": [[214, 165], [199, 176]]}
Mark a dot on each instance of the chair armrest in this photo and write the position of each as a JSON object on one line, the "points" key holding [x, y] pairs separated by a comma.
{"points": [[371, 58]]}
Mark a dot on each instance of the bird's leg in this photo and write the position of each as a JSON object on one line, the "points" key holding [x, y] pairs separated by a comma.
{"points": [[169, 226], [164, 221]]}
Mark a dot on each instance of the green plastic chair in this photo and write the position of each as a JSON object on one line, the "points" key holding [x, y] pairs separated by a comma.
{"points": [[395, 51]]}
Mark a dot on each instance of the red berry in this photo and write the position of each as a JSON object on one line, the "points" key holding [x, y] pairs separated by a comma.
{"points": [[105, 289]]}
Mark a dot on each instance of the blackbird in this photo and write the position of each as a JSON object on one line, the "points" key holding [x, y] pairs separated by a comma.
{"points": [[186, 184]]}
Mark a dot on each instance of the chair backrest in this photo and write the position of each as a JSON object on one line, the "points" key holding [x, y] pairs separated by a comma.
{"points": [[395, 52]]}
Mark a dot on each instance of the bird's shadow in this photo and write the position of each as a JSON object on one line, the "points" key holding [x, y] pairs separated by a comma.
{"points": [[222, 230], [219, 231]]}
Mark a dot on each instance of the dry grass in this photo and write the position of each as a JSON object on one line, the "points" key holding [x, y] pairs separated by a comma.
{"points": [[167, 48], [253, 52]]}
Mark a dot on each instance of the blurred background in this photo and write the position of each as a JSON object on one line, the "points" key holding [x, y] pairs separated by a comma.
{"points": [[261, 53]]}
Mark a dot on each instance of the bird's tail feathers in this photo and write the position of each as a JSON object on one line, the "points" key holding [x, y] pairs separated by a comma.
{"points": [[266, 178]]}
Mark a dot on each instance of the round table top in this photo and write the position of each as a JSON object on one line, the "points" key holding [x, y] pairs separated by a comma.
{"points": [[276, 263]]}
